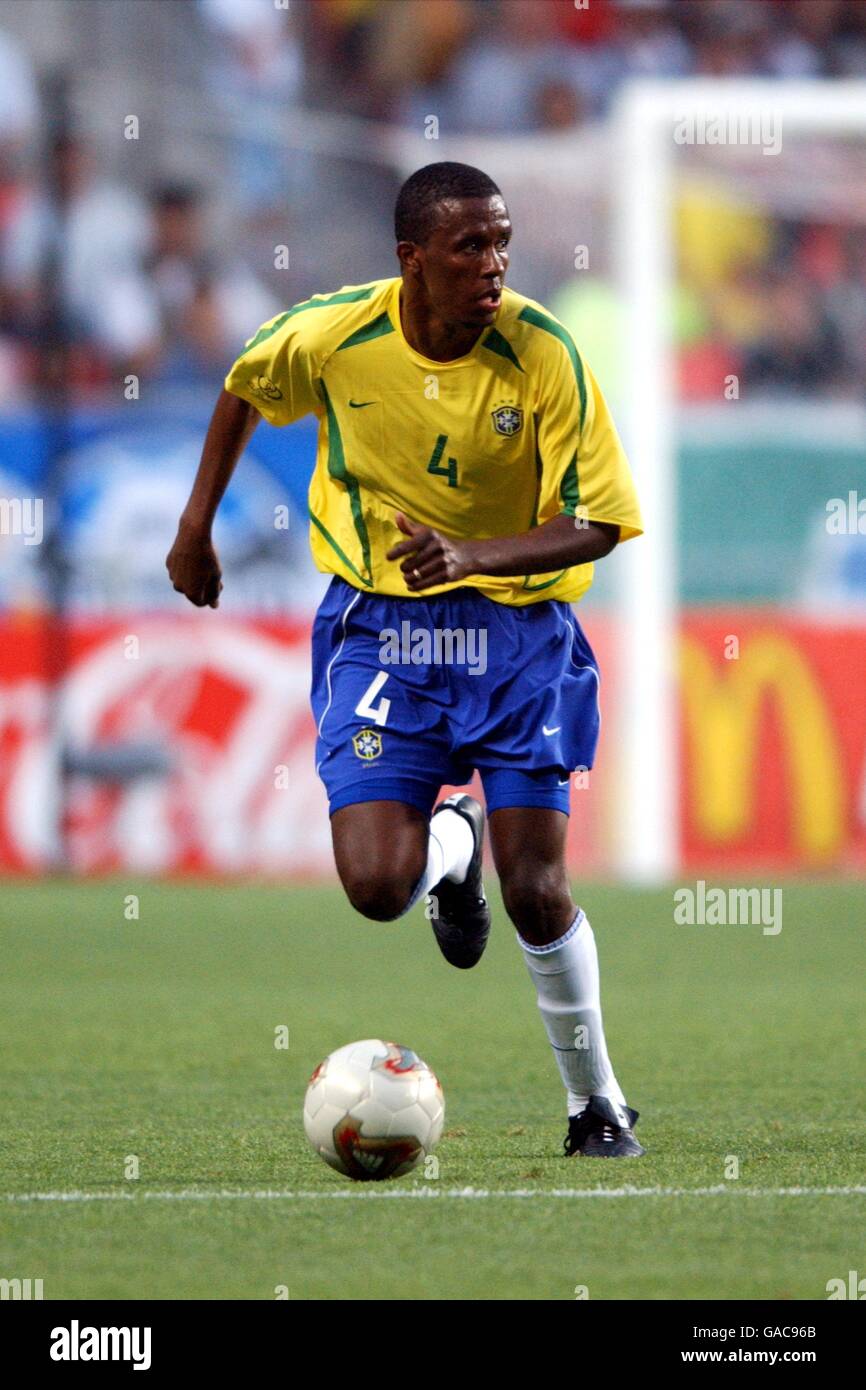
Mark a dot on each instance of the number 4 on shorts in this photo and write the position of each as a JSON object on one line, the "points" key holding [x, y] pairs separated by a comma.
{"points": [[365, 707]]}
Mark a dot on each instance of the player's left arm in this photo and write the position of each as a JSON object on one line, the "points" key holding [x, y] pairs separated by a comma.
{"points": [[586, 504], [429, 557]]}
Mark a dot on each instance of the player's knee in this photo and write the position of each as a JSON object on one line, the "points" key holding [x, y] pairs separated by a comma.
{"points": [[537, 900], [381, 893], [380, 857]]}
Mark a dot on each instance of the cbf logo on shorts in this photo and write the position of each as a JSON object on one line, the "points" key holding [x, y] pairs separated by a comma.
{"points": [[367, 744], [507, 419]]}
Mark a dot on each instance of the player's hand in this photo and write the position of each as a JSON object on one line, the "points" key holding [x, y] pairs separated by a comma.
{"points": [[194, 568], [429, 557]]}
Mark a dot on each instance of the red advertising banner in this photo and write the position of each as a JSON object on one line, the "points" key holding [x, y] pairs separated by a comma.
{"points": [[187, 745], [203, 740]]}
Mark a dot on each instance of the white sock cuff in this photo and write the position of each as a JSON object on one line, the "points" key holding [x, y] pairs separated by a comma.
{"points": [[433, 872], [554, 945], [453, 834]]}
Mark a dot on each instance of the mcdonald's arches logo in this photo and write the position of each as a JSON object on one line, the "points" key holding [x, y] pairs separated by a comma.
{"points": [[724, 705]]}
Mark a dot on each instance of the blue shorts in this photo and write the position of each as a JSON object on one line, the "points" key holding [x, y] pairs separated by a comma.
{"points": [[410, 694]]}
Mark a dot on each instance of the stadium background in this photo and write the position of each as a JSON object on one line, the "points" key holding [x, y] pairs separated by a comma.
{"points": [[172, 174], [260, 166]]}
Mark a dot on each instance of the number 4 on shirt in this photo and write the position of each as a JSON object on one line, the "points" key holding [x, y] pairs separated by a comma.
{"points": [[434, 466]]}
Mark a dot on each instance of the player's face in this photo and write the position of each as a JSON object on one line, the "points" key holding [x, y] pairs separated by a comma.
{"points": [[464, 260]]}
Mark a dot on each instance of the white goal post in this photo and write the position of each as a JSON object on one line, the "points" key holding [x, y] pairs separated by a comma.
{"points": [[652, 120]]}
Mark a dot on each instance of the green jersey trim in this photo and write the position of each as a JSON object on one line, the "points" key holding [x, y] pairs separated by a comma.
{"points": [[549, 325], [376, 328], [338, 470], [494, 342], [317, 302], [538, 475], [338, 549], [547, 583], [569, 488]]}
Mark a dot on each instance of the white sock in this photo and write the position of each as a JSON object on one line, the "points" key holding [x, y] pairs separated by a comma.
{"points": [[453, 834], [449, 849], [565, 975]]}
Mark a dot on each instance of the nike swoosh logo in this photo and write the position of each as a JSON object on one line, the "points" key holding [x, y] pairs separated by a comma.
{"points": [[550, 732], [359, 405]]}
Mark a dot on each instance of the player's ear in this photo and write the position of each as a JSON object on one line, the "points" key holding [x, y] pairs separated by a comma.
{"points": [[408, 256]]}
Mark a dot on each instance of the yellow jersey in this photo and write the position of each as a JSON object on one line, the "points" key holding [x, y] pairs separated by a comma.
{"points": [[489, 444]]}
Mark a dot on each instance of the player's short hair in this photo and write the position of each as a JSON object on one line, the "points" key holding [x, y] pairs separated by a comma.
{"points": [[415, 213]]}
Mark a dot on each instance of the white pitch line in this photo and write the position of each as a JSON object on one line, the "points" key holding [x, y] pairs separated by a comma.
{"points": [[365, 1191]]}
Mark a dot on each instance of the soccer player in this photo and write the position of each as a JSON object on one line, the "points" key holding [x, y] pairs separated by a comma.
{"points": [[468, 475]]}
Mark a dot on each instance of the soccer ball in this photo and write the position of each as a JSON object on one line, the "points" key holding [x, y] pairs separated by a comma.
{"points": [[373, 1110]]}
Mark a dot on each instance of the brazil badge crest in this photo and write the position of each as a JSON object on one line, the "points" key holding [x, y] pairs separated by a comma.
{"points": [[507, 419], [367, 744]]}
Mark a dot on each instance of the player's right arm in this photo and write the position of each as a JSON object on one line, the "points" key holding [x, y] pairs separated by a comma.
{"points": [[274, 377], [192, 563]]}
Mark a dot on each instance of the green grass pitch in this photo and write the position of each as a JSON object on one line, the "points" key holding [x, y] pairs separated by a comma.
{"points": [[155, 1039]]}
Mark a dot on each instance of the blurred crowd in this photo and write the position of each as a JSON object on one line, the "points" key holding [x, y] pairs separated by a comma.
{"points": [[165, 276], [523, 65]]}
